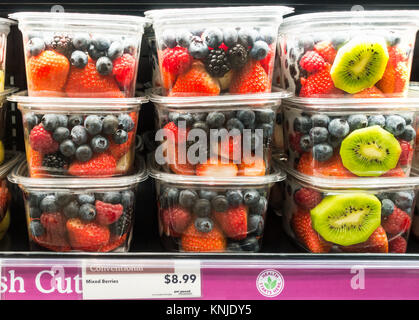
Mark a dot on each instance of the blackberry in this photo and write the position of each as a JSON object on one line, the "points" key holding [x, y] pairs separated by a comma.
{"points": [[237, 56], [54, 161], [123, 224], [217, 63], [62, 43]]}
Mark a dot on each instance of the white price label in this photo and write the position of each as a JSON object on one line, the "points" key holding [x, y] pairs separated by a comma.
{"points": [[142, 280]]}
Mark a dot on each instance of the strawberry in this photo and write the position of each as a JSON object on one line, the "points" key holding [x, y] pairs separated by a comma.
{"points": [[395, 172], [176, 134], [195, 82], [167, 80], [398, 222], [119, 150], [252, 78], [87, 236], [101, 164], [318, 84], [179, 164], [307, 199], [215, 168], [34, 159], [376, 243], [407, 153], [268, 62], [175, 60], [326, 50], [41, 140], [53, 242], [53, 222], [372, 92], [47, 71], [251, 167], [175, 220], [397, 245], [330, 168], [88, 83], [301, 225], [195, 241], [108, 213], [395, 79], [114, 242], [396, 55], [124, 70], [312, 62], [228, 150], [233, 222]]}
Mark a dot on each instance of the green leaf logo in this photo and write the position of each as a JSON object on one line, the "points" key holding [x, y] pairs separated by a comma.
{"points": [[270, 284]]}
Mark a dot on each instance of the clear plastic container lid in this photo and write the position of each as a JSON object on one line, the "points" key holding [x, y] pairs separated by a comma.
{"points": [[55, 21], [10, 160], [20, 176], [5, 25], [5, 93], [396, 19], [275, 175], [81, 105]]}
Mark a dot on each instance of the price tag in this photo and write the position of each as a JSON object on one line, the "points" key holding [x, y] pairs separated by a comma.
{"points": [[142, 279]]}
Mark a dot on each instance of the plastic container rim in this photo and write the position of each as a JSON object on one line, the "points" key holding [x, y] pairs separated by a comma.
{"points": [[6, 167]]}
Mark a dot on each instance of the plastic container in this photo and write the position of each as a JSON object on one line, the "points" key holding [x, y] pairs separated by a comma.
{"points": [[79, 137], [212, 51], [79, 214], [153, 58], [351, 215], [4, 31], [325, 54], [234, 131], [351, 138], [3, 120], [12, 158], [219, 214], [80, 55]]}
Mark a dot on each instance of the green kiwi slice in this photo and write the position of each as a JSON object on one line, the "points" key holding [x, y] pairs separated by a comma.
{"points": [[359, 64], [347, 219], [370, 152]]}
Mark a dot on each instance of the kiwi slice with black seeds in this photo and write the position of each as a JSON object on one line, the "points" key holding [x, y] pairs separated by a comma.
{"points": [[359, 64], [370, 152], [347, 219]]}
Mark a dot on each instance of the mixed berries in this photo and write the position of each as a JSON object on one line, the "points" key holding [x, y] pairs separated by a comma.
{"points": [[80, 145], [81, 65], [214, 61], [94, 222], [212, 220]]}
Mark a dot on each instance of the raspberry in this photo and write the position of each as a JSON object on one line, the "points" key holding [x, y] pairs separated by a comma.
{"points": [[101, 164], [41, 140], [107, 213], [176, 60], [175, 220], [318, 84], [124, 69], [196, 241], [312, 62], [326, 50], [398, 222], [307, 199], [407, 153], [294, 141], [53, 222], [397, 245]]}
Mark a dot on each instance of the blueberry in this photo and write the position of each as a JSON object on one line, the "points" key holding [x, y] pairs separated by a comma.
{"points": [[409, 133], [93, 124], [215, 120], [183, 38], [198, 31], [50, 122], [357, 121], [395, 125], [104, 66], [48, 204], [230, 36], [125, 122], [95, 53], [392, 39], [120, 136], [79, 135], [30, 120], [334, 141], [383, 195], [34, 212], [408, 117], [63, 198], [207, 194], [219, 203], [130, 46], [116, 50], [187, 198], [339, 39], [250, 244], [234, 123], [86, 198], [127, 198], [387, 207], [99, 144], [67, 148], [251, 197], [338, 128], [267, 35], [197, 48], [60, 134], [302, 124], [84, 153], [260, 50], [81, 41], [71, 210], [255, 225], [79, 59], [319, 134], [376, 120], [101, 43], [202, 208], [35, 198], [204, 224], [213, 37], [169, 38], [260, 207], [75, 120], [403, 199], [36, 228], [110, 124], [247, 37], [234, 197], [247, 117], [307, 43], [112, 197], [185, 117], [87, 212], [322, 152], [197, 116], [306, 143], [320, 120], [265, 116], [256, 141], [35, 46]]}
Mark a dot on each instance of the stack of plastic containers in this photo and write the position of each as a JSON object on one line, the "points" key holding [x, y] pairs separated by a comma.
{"points": [[350, 131], [216, 114], [80, 119]]}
